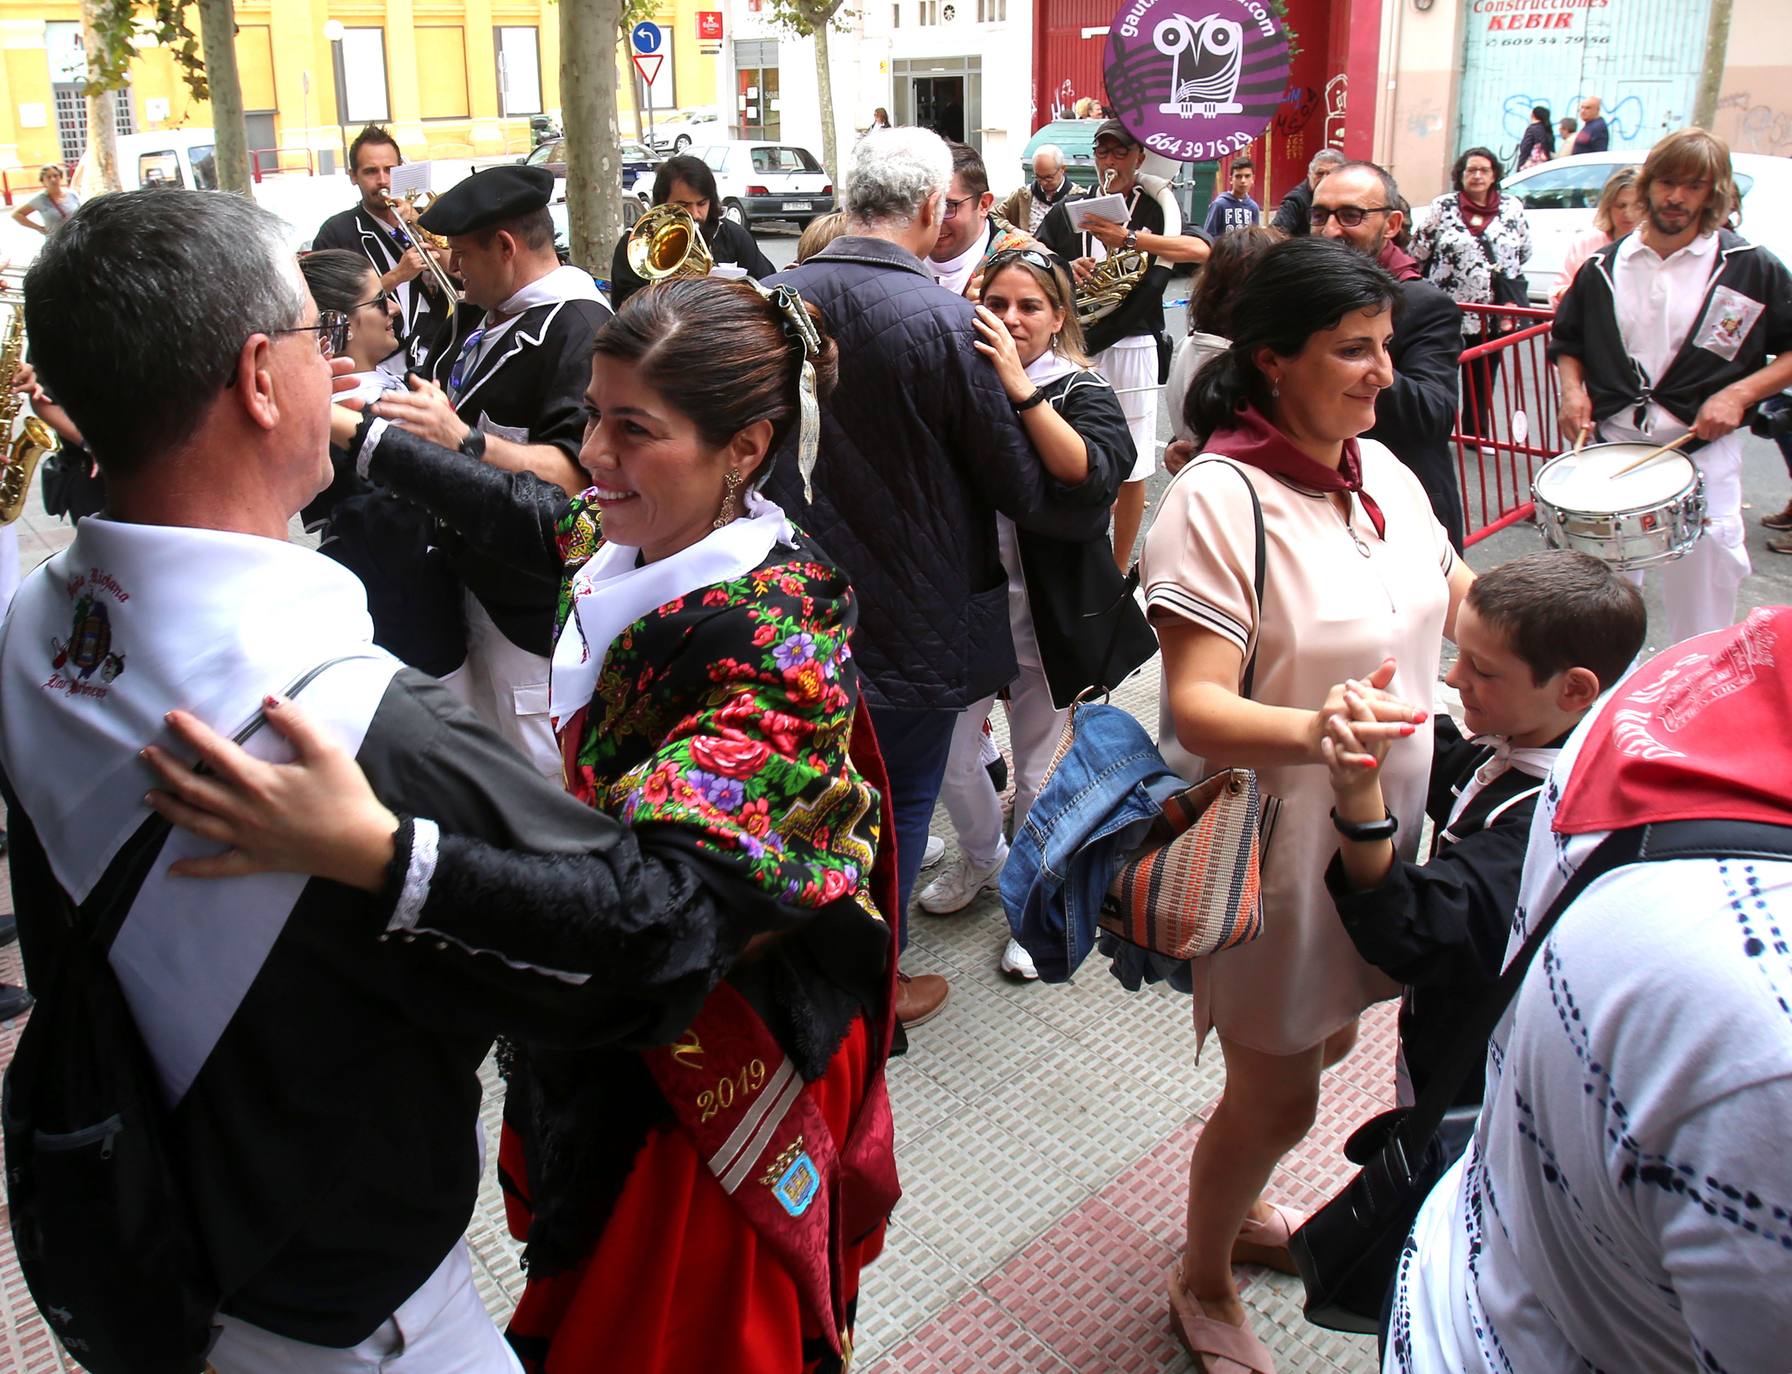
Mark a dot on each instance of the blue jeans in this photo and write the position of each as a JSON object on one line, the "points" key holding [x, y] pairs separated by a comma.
{"points": [[914, 744]]}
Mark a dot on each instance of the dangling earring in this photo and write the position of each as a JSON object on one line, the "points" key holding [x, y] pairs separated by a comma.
{"points": [[733, 490], [1275, 391]]}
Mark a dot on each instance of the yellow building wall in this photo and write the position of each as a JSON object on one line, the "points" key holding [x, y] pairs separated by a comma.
{"points": [[286, 66]]}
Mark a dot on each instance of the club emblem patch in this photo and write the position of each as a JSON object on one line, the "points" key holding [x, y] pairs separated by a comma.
{"points": [[793, 1179], [89, 650]]}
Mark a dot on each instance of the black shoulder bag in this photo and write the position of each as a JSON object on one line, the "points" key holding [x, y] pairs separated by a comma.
{"points": [[1349, 1250]]}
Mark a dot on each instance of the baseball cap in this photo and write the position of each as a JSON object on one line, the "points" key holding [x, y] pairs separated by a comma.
{"points": [[1113, 128]]}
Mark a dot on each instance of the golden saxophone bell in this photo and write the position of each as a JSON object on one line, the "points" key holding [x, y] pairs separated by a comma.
{"points": [[666, 243], [36, 441]]}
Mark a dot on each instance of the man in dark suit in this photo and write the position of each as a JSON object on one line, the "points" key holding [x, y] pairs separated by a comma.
{"points": [[1360, 204]]}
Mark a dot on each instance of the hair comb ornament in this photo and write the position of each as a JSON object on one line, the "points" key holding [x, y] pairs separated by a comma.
{"points": [[788, 301]]}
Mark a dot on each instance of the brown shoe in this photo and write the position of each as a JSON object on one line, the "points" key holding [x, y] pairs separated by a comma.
{"points": [[1780, 543], [1782, 521], [919, 999]]}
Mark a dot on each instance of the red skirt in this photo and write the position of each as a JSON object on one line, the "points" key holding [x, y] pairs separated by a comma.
{"points": [[677, 1282]]}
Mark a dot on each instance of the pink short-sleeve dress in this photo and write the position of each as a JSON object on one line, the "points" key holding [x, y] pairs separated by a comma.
{"points": [[1337, 599]]}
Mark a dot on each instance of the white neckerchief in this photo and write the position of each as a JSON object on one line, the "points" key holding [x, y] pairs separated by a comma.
{"points": [[1049, 366], [146, 618], [564, 283], [371, 385], [1533, 763], [610, 593], [955, 272]]}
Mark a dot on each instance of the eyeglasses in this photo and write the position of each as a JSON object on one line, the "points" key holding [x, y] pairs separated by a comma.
{"points": [[331, 330], [952, 205], [1348, 215], [997, 261]]}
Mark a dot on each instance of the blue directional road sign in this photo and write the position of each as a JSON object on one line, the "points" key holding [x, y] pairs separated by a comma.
{"points": [[646, 37]]}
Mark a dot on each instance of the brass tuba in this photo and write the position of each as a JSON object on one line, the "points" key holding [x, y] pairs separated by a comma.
{"points": [[666, 243], [1116, 276], [36, 441]]}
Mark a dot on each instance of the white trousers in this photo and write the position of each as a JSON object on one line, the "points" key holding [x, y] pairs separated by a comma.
{"points": [[442, 1328], [1698, 591], [507, 688], [1130, 366], [1034, 726]]}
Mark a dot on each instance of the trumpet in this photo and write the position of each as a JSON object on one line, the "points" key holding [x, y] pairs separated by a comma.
{"points": [[667, 243], [415, 236]]}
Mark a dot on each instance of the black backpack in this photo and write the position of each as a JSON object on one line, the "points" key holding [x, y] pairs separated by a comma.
{"points": [[100, 1214]]}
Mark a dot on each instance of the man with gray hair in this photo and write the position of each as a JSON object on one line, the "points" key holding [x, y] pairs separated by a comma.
{"points": [[1050, 184], [920, 449], [1291, 214], [320, 1081]]}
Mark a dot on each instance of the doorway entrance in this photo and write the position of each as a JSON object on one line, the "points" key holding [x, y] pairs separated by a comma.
{"points": [[944, 94], [939, 105]]}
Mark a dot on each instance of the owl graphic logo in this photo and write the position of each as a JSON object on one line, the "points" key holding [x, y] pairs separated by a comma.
{"points": [[1216, 50]]}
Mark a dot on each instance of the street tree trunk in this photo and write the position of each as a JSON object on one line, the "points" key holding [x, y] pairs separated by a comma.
{"points": [[217, 19], [1717, 47], [102, 115], [588, 99], [824, 89]]}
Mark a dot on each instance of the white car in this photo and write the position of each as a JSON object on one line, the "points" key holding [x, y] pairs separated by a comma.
{"points": [[677, 132], [1559, 199], [769, 181]]}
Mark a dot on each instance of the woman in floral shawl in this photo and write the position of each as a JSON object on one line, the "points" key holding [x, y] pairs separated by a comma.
{"points": [[699, 1189]]}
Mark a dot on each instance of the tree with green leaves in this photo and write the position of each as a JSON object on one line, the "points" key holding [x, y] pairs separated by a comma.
{"points": [[110, 28], [813, 19]]}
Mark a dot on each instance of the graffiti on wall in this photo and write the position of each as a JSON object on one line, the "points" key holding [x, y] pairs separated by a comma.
{"points": [[1760, 128], [1337, 92]]}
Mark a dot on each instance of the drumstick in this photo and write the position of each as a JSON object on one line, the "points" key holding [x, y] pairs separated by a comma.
{"points": [[1580, 441], [1653, 454]]}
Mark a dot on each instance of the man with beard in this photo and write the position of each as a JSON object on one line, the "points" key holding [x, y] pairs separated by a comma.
{"points": [[1668, 330], [1360, 204], [1028, 206]]}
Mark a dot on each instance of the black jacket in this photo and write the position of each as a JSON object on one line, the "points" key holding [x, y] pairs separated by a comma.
{"points": [[1143, 312], [1586, 327], [729, 243], [1440, 927], [1415, 415], [1091, 632], [919, 448], [1537, 134], [425, 314], [1292, 215], [330, 1133]]}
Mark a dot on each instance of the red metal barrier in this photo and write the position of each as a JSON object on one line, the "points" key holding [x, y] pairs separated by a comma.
{"points": [[1506, 427], [272, 161]]}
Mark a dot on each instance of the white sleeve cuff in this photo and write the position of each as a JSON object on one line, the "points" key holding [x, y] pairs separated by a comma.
{"points": [[425, 841], [365, 456]]}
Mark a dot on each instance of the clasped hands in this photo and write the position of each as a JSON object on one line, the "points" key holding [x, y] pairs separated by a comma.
{"points": [[1359, 722]]}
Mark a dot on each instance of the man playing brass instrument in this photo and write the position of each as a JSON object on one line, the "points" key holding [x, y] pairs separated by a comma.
{"points": [[371, 227], [1124, 342]]}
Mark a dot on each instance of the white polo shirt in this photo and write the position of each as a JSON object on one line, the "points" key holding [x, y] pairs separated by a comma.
{"points": [[1657, 301]]}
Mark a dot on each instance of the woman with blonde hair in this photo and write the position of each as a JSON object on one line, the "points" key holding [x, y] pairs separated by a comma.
{"points": [[1620, 210]]}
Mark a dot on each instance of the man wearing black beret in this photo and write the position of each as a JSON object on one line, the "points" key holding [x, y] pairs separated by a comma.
{"points": [[512, 395]]}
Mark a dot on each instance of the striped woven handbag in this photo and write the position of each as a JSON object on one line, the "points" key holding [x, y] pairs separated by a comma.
{"points": [[1192, 887]]}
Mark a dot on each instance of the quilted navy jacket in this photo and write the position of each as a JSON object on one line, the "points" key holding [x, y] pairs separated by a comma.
{"points": [[919, 449]]}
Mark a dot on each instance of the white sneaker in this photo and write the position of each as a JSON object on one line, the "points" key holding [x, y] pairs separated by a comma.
{"points": [[959, 885], [1017, 963], [935, 851]]}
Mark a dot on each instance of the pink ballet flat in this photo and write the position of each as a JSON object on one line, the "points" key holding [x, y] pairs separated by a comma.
{"points": [[1266, 1242]]}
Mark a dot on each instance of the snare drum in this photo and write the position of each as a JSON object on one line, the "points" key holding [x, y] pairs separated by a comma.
{"points": [[1636, 520]]}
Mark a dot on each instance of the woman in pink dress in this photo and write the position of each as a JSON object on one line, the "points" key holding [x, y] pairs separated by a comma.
{"points": [[1360, 585], [1619, 211]]}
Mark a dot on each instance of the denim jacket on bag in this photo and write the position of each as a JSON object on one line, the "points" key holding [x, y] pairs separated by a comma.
{"points": [[1092, 812]]}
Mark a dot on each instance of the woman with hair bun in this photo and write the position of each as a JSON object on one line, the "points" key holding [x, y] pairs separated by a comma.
{"points": [[701, 1170], [1359, 585]]}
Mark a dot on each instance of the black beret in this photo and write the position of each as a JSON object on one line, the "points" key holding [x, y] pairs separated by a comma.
{"points": [[487, 198]]}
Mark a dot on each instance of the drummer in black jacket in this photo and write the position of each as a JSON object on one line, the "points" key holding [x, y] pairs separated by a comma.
{"points": [[687, 182], [1538, 640], [512, 395]]}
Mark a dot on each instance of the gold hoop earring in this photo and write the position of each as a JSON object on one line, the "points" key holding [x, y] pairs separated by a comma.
{"points": [[726, 516]]}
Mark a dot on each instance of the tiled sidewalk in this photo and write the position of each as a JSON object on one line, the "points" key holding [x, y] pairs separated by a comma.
{"points": [[1043, 1136]]}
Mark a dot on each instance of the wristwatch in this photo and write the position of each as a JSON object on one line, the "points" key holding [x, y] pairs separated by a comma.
{"points": [[474, 444], [1131, 242], [1364, 832]]}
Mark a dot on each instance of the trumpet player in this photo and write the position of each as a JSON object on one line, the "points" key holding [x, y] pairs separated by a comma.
{"points": [[371, 228], [1125, 343], [688, 183], [512, 395]]}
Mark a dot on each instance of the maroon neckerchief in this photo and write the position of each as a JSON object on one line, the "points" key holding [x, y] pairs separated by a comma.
{"points": [[1478, 217], [1252, 439], [1401, 265]]}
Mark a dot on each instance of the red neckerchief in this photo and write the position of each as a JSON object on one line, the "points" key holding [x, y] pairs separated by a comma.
{"points": [[1252, 439], [1400, 264], [1699, 732], [1477, 218]]}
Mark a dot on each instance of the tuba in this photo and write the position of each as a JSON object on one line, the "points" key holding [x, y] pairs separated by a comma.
{"points": [[35, 441], [1116, 276], [666, 243]]}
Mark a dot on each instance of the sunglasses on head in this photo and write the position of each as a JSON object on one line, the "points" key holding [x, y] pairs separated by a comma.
{"points": [[1031, 256]]}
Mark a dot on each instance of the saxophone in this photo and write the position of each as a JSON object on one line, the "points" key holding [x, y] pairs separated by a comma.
{"points": [[35, 441], [1116, 276]]}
